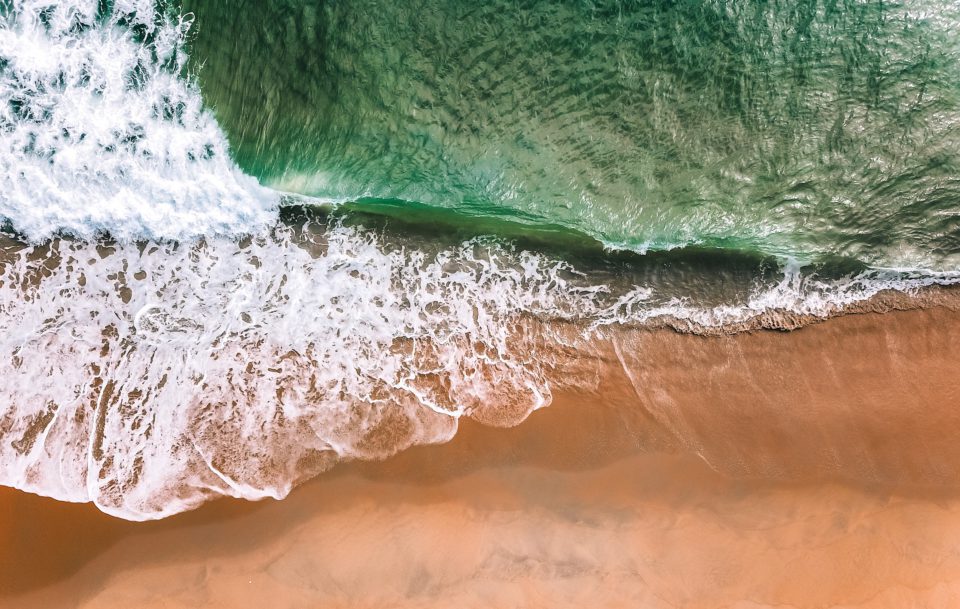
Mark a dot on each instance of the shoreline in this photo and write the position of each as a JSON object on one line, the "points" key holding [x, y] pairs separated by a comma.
{"points": [[849, 474]]}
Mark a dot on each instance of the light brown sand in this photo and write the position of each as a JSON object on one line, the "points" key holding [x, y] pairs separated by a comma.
{"points": [[839, 485]]}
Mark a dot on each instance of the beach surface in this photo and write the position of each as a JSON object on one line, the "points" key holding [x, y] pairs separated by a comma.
{"points": [[812, 468]]}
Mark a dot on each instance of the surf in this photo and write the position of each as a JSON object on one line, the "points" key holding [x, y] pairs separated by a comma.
{"points": [[100, 134], [192, 306]]}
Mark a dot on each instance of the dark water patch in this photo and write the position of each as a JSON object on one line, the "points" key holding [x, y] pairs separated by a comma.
{"points": [[701, 275]]}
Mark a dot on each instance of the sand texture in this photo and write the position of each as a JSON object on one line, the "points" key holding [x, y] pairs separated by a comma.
{"points": [[812, 468]]}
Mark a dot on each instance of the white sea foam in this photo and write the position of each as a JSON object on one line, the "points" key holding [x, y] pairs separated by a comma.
{"points": [[99, 132], [148, 378], [797, 293]]}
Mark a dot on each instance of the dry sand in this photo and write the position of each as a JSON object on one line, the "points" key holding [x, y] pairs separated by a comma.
{"points": [[814, 468]]}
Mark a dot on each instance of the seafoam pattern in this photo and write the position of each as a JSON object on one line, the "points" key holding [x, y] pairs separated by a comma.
{"points": [[99, 131], [147, 378]]}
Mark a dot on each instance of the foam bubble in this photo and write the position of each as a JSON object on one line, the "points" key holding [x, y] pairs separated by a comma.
{"points": [[99, 132]]}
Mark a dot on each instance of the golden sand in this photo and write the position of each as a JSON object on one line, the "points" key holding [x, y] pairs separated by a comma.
{"points": [[813, 468]]}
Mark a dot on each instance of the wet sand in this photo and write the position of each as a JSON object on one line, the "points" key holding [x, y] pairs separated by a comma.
{"points": [[813, 468]]}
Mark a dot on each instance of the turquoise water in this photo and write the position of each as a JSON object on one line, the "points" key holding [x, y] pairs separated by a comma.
{"points": [[809, 129]]}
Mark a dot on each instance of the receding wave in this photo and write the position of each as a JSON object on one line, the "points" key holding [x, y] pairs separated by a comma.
{"points": [[149, 377]]}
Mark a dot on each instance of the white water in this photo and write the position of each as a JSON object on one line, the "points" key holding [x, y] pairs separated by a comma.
{"points": [[147, 378], [99, 133]]}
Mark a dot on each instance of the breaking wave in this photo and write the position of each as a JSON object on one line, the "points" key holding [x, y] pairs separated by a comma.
{"points": [[166, 338]]}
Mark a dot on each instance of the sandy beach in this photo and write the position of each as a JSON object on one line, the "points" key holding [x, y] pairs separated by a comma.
{"points": [[812, 468]]}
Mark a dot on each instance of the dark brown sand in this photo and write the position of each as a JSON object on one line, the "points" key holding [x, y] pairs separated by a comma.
{"points": [[813, 468]]}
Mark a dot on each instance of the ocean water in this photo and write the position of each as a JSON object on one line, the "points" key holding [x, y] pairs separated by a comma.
{"points": [[810, 128], [244, 241]]}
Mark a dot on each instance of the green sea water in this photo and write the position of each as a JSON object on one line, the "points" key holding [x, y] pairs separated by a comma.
{"points": [[810, 129]]}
